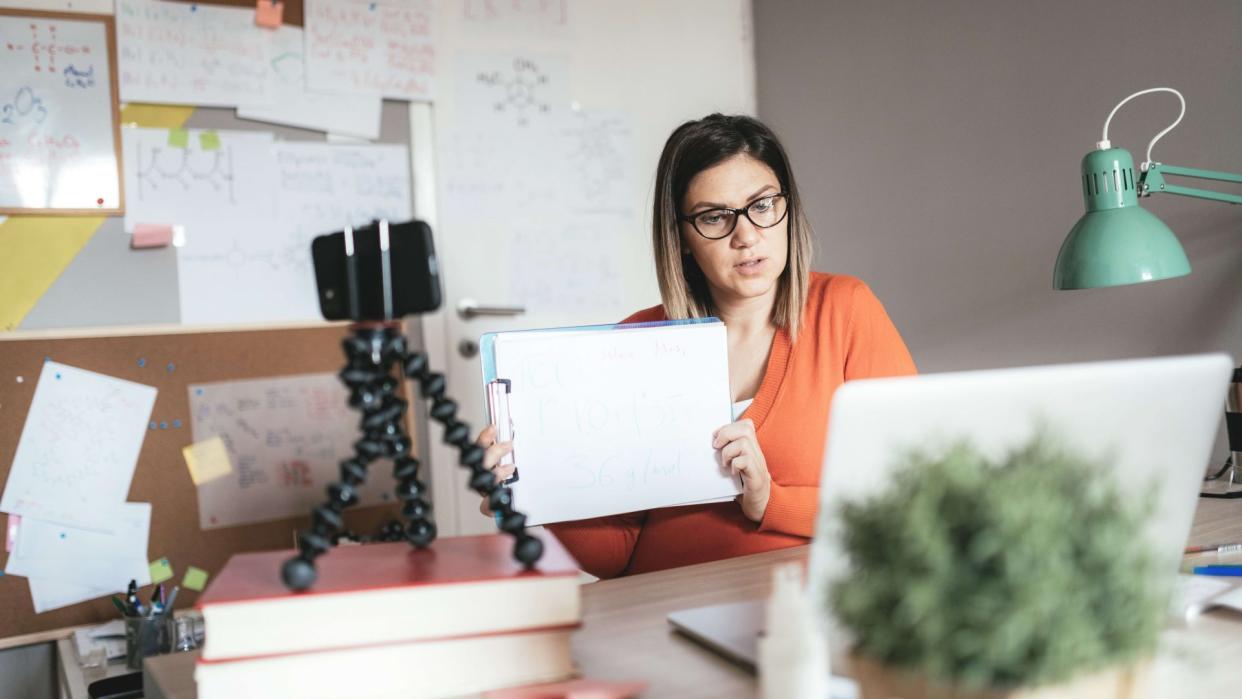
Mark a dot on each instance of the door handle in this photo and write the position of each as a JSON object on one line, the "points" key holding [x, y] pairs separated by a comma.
{"points": [[469, 308]]}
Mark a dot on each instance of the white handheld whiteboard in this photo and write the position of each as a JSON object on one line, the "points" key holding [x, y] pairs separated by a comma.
{"points": [[59, 138], [613, 420]]}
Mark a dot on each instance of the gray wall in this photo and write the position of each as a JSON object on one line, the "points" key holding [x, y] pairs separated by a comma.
{"points": [[937, 146], [29, 672]]}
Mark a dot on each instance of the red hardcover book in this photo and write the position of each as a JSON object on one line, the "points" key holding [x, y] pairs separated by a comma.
{"points": [[387, 593]]}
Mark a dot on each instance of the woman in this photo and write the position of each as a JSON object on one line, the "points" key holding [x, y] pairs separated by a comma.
{"points": [[731, 241]]}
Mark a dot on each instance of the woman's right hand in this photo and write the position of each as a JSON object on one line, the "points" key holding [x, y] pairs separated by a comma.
{"points": [[493, 452]]}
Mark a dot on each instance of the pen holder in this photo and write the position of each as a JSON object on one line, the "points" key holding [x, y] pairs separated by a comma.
{"points": [[146, 636]]}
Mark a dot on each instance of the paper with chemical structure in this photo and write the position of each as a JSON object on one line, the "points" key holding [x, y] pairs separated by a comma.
{"points": [[317, 188], [95, 560], [295, 105], [191, 53], [78, 449], [211, 178], [558, 181], [616, 420], [371, 48], [57, 139], [285, 437]]}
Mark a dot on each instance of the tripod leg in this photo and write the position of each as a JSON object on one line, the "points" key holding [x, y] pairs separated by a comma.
{"points": [[526, 548], [370, 384]]}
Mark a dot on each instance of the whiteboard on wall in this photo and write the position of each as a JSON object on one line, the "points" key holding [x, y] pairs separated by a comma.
{"points": [[547, 126], [59, 138]]}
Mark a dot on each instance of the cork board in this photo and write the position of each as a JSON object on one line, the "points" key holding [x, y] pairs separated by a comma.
{"points": [[161, 477]]}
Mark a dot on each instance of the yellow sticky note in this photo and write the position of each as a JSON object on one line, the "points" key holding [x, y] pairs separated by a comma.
{"points": [[161, 570], [178, 138], [195, 579], [207, 460], [209, 140], [155, 116]]}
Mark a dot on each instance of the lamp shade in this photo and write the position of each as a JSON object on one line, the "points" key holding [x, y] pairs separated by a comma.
{"points": [[1117, 241]]}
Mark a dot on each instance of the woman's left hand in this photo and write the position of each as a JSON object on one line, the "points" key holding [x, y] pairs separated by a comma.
{"points": [[739, 450]]}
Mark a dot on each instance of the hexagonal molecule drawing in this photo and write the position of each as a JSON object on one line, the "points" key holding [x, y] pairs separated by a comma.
{"points": [[518, 91]]}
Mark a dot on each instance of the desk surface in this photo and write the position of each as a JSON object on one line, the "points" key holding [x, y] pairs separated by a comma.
{"points": [[625, 635]]}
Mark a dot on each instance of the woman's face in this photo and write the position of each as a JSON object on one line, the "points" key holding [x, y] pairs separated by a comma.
{"points": [[747, 263]]}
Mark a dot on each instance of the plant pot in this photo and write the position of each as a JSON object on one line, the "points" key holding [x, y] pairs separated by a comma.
{"points": [[879, 681]]}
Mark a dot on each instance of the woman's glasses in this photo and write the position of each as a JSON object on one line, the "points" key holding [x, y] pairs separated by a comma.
{"points": [[763, 212]]}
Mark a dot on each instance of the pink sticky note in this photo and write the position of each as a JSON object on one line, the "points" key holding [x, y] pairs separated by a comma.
{"points": [[151, 235], [10, 541], [572, 689], [269, 13]]}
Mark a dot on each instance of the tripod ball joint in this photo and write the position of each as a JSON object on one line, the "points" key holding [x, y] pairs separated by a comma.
{"points": [[527, 550], [415, 365], [421, 533], [298, 574]]}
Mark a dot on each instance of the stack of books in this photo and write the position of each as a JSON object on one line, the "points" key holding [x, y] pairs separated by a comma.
{"points": [[387, 620]]}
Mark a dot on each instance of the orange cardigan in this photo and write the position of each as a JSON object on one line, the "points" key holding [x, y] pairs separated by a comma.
{"points": [[845, 334]]}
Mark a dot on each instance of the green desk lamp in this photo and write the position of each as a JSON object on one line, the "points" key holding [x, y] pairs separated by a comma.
{"points": [[1117, 241]]}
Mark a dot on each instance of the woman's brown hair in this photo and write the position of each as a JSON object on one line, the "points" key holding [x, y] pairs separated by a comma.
{"points": [[692, 148]]}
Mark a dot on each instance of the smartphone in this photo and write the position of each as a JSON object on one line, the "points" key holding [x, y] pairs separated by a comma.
{"points": [[382, 271]]}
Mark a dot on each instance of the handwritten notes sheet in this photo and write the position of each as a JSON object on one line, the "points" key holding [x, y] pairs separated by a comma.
{"points": [[350, 115], [57, 147], [314, 188], [560, 183], [190, 53], [66, 565], [78, 449], [371, 48], [285, 437], [614, 421]]}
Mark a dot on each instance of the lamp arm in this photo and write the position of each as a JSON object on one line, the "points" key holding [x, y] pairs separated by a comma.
{"points": [[1152, 182]]}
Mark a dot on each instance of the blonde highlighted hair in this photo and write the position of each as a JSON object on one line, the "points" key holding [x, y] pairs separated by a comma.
{"points": [[692, 148]]}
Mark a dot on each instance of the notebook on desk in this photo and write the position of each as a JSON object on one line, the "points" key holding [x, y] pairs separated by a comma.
{"points": [[1150, 413]]}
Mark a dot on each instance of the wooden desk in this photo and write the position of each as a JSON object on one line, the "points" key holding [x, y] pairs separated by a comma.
{"points": [[625, 635]]}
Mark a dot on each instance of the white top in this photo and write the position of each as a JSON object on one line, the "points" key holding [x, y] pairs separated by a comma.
{"points": [[740, 407]]}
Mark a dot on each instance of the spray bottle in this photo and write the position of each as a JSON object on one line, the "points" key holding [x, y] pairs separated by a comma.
{"points": [[793, 655]]}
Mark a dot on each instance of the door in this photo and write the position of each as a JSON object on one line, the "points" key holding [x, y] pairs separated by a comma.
{"points": [[546, 130]]}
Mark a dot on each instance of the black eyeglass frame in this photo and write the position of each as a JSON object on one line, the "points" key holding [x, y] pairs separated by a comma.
{"points": [[743, 211]]}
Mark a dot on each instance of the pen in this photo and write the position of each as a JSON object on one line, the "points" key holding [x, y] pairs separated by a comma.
{"points": [[1232, 571], [172, 599], [119, 605], [1215, 548]]}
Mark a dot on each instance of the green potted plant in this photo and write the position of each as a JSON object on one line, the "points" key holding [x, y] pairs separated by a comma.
{"points": [[1023, 576]]}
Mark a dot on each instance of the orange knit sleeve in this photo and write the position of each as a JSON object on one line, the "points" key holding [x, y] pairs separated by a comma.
{"points": [[602, 546], [873, 348]]}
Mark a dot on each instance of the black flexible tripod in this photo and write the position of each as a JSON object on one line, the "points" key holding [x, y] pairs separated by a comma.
{"points": [[371, 353]]}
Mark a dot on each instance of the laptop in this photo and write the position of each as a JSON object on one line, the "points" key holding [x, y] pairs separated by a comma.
{"points": [[1154, 419]]}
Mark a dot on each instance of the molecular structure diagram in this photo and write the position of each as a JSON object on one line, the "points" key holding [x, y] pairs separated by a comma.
{"points": [[519, 90], [597, 157], [49, 47], [160, 166]]}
